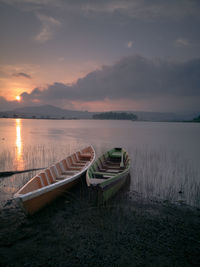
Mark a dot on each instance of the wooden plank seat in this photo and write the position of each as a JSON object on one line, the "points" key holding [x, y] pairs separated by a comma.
{"points": [[43, 179], [79, 160], [72, 163], [86, 156], [104, 167], [65, 166], [103, 174], [116, 154], [66, 172], [95, 181], [113, 170], [116, 157], [109, 161], [108, 169], [55, 174], [49, 176], [81, 157]]}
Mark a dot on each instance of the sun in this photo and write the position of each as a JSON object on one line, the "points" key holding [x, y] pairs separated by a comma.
{"points": [[18, 98]]}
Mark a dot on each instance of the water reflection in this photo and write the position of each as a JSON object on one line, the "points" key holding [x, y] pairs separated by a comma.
{"points": [[19, 157], [164, 156]]}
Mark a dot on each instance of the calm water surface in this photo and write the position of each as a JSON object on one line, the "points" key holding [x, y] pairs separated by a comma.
{"points": [[164, 156]]}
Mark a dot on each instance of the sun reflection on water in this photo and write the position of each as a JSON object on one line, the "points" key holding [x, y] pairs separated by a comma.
{"points": [[19, 156]]}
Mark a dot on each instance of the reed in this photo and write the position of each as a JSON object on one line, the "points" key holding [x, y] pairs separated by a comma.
{"points": [[154, 173], [36, 156], [165, 175]]}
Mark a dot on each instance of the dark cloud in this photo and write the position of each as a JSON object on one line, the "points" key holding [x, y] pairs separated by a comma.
{"points": [[22, 74], [133, 77], [7, 105], [133, 8], [138, 78]]}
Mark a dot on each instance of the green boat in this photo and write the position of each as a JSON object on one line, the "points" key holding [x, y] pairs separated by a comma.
{"points": [[108, 174]]}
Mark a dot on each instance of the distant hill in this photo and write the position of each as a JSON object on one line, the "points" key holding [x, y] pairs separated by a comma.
{"points": [[47, 111], [52, 112], [162, 116]]}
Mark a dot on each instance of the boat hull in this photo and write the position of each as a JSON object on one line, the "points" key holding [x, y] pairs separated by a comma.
{"points": [[105, 183], [53, 181], [35, 204], [110, 190]]}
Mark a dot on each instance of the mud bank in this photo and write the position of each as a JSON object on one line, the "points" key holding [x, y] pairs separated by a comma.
{"points": [[126, 232]]}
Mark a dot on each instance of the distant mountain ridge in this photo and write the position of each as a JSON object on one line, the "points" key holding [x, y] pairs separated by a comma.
{"points": [[46, 109], [49, 111]]}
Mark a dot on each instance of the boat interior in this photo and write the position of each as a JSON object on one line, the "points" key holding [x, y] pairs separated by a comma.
{"points": [[66, 168], [108, 165]]}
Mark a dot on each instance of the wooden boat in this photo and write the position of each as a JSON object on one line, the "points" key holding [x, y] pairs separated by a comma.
{"points": [[108, 174], [53, 181]]}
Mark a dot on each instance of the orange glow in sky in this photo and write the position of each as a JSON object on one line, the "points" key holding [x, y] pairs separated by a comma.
{"points": [[107, 105]]}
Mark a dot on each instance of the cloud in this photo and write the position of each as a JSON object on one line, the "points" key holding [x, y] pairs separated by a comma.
{"points": [[48, 28], [19, 70], [8, 105], [22, 74], [148, 83], [145, 9], [133, 78], [28, 5], [41, 2], [130, 44], [138, 9], [182, 42]]}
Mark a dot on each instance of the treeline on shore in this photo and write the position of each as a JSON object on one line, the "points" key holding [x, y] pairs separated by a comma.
{"points": [[115, 116], [197, 119], [100, 116]]}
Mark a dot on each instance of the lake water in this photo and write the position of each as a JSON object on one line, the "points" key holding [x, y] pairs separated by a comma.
{"points": [[164, 156]]}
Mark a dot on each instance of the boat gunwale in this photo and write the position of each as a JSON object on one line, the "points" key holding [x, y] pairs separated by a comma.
{"points": [[57, 184]]}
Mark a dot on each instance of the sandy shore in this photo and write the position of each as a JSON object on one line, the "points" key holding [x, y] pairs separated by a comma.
{"points": [[126, 232]]}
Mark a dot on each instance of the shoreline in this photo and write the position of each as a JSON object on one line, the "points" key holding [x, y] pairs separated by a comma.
{"points": [[91, 119], [125, 232]]}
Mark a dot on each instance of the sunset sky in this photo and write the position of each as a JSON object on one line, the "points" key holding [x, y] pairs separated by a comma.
{"points": [[100, 55]]}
